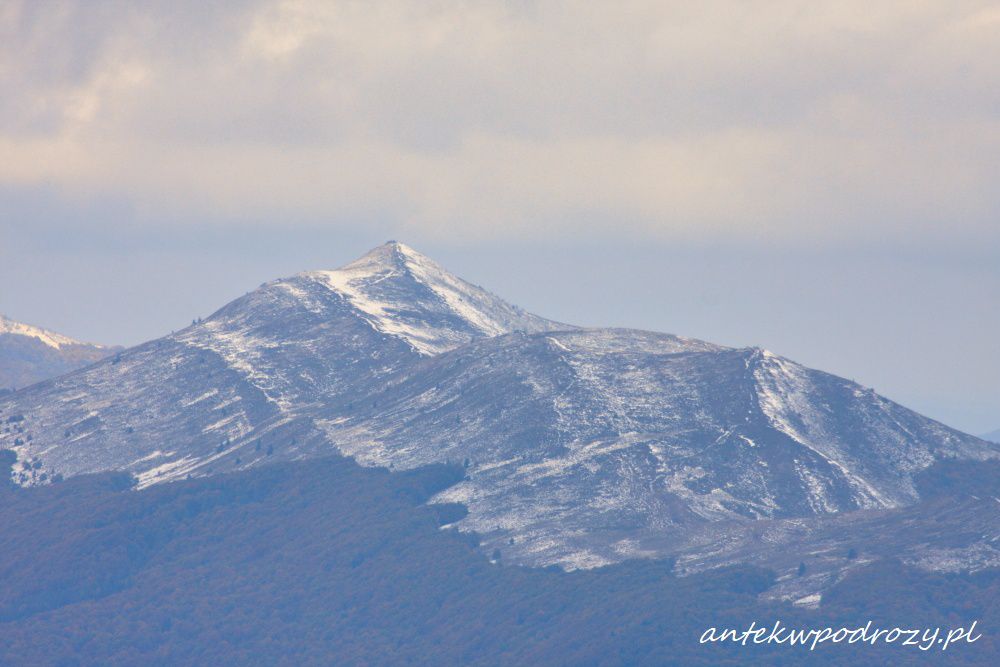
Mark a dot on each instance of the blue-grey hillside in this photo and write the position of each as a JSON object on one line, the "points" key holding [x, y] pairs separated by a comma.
{"points": [[582, 446]]}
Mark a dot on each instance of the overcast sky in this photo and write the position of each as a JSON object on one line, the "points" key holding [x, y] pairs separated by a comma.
{"points": [[820, 179]]}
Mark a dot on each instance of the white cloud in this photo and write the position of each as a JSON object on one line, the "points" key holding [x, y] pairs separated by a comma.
{"points": [[846, 120]]}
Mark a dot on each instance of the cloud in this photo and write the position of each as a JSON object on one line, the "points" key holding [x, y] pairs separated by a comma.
{"points": [[762, 120]]}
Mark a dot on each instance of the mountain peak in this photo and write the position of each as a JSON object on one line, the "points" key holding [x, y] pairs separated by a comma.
{"points": [[390, 253], [388, 257], [403, 293]]}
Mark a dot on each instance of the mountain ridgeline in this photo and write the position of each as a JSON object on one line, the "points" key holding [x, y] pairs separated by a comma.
{"points": [[581, 447], [30, 354]]}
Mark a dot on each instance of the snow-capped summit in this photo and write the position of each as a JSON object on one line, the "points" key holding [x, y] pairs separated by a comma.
{"points": [[30, 354], [405, 294], [316, 334]]}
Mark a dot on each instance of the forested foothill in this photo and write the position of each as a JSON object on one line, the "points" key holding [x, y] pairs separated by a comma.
{"points": [[328, 563]]}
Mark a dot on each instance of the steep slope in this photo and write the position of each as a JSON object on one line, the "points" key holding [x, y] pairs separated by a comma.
{"points": [[238, 388], [30, 354]]}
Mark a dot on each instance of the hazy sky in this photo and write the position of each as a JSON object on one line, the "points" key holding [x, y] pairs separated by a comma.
{"points": [[817, 178]]}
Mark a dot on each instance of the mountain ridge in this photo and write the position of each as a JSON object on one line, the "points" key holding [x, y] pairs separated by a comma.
{"points": [[50, 338], [582, 447]]}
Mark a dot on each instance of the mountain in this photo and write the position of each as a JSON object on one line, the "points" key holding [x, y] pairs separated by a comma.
{"points": [[582, 447], [246, 383], [30, 354], [993, 436]]}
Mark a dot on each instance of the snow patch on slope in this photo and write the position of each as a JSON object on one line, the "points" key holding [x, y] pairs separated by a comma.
{"points": [[242, 352], [783, 395]]}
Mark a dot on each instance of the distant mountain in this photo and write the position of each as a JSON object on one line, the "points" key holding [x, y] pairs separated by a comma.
{"points": [[992, 436], [582, 447], [31, 354]]}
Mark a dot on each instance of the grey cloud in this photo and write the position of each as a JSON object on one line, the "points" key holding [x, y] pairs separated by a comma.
{"points": [[485, 119]]}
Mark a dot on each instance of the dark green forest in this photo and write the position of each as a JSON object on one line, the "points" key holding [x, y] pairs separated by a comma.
{"points": [[327, 563]]}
